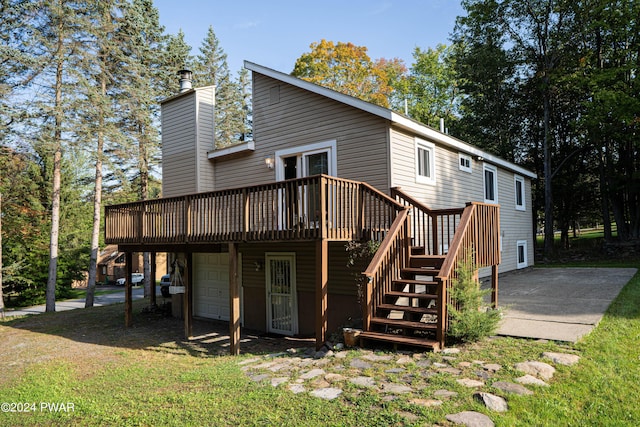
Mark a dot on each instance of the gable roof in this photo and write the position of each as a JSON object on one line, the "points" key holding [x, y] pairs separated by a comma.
{"points": [[385, 113]]}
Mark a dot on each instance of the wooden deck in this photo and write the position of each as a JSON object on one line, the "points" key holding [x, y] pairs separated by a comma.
{"points": [[401, 306]]}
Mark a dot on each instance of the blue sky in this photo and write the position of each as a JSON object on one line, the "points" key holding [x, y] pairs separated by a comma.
{"points": [[274, 33]]}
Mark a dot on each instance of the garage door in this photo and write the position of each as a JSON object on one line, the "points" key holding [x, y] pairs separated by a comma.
{"points": [[211, 286]]}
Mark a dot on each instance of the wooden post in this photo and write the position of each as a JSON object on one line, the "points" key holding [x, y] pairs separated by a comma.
{"points": [[322, 277], [187, 303], [494, 286], [234, 300], [128, 296], [442, 313], [152, 281]]}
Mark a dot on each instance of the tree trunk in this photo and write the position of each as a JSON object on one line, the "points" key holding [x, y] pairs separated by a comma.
{"points": [[1, 294], [548, 193], [55, 193], [97, 201]]}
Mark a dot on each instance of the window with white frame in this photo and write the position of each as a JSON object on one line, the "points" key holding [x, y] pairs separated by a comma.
{"points": [[425, 162], [521, 253], [519, 187], [490, 184], [464, 162]]}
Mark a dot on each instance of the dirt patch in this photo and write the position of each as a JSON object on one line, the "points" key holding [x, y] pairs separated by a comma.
{"points": [[97, 336]]}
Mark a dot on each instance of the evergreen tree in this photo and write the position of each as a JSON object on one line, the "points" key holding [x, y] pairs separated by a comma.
{"points": [[211, 68], [99, 117]]}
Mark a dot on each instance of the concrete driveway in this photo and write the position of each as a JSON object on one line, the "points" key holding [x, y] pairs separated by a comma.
{"points": [[561, 304]]}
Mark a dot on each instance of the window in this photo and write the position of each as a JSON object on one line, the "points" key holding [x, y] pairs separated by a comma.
{"points": [[464, 162], [306, 160], [519, 186], [521, 254], [490, 184], [425, 162]]}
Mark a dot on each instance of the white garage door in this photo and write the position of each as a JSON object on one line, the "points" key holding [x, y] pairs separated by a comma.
{"points": [[211, 286]]}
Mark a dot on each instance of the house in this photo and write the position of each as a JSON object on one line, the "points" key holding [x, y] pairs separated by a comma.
{"points": [[111, 265], [260, 228]]}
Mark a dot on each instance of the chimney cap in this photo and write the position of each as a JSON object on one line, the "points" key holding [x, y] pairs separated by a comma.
{"points": [[185, 80]]}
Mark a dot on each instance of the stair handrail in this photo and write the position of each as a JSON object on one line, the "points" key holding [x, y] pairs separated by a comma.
{"points": [[482, 239], [433, 214], [396, 240]]}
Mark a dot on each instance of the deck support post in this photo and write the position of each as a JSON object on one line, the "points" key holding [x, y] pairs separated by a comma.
{"points": [[494, 286], [322, 278], [152, 281], [187, 301], [234, 301], [128, 294]]}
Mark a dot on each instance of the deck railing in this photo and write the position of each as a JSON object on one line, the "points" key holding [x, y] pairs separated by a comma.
{"points": [[386, 265], [317, 207], [432, 229], [478, 235]]}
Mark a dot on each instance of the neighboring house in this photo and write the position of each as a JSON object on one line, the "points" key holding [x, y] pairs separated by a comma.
{"points": [[111, 265], [324, 169]]}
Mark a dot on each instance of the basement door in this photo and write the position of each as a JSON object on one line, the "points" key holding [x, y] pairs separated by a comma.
{"points": [[211, 285], [282, 306]]}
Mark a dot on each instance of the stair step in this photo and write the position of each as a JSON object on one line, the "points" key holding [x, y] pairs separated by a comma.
{"points": [[400, 339], [414, 282], [426, 261], [426, 271], [405, 324], [398, 294], [418, 250], [408, 309]]}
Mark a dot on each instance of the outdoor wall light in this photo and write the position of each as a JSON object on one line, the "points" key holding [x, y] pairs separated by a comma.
{"points": [[269, 161], [258, 265]]}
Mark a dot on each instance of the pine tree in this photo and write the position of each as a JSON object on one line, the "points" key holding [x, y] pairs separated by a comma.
{"points": [[142, 38], [99, 116], [211, 68]]}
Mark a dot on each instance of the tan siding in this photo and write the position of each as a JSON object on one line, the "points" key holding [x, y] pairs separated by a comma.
{"points": [[302, 118], [454, 188], [187, 124]]}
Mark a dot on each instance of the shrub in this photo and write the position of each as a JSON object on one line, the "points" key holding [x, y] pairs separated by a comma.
{"points": [[470, 319]]}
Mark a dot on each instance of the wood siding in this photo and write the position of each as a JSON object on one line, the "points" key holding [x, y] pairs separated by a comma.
{"points": [[296, 118], [187, 136], [454, 187]]}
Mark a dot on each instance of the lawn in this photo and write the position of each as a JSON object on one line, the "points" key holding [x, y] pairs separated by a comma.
{"points": [[99, 373]]}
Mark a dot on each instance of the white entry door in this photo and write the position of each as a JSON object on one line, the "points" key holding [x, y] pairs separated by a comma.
{"points": [[211, 285], [282, 310]]}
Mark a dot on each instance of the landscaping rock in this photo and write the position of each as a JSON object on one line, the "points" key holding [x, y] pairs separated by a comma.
{"points": [[395, 370], [470, 419], [258, 378], [491, 401], [562, 358], [428, 403], [312, 374], [468, 382], [539, 369], [359, 364], [450, 370], [334, 378], [395, 388], [451, 351], [404, 360], [275, 382], [297, 388], [513, 388], [378, 358], [444, 394], [464, 364], [367, 382], [531, 380], [492, 367], [328, 393], [423, 363]]}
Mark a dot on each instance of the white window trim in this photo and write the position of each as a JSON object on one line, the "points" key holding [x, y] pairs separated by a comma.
{"points": [[493, 169], [318, 147], [467, 158], [525, 263], [431, 149], [520, 179]]}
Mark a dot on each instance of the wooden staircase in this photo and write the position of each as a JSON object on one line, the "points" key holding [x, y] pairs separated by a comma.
{"points": [[408, 315]]}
